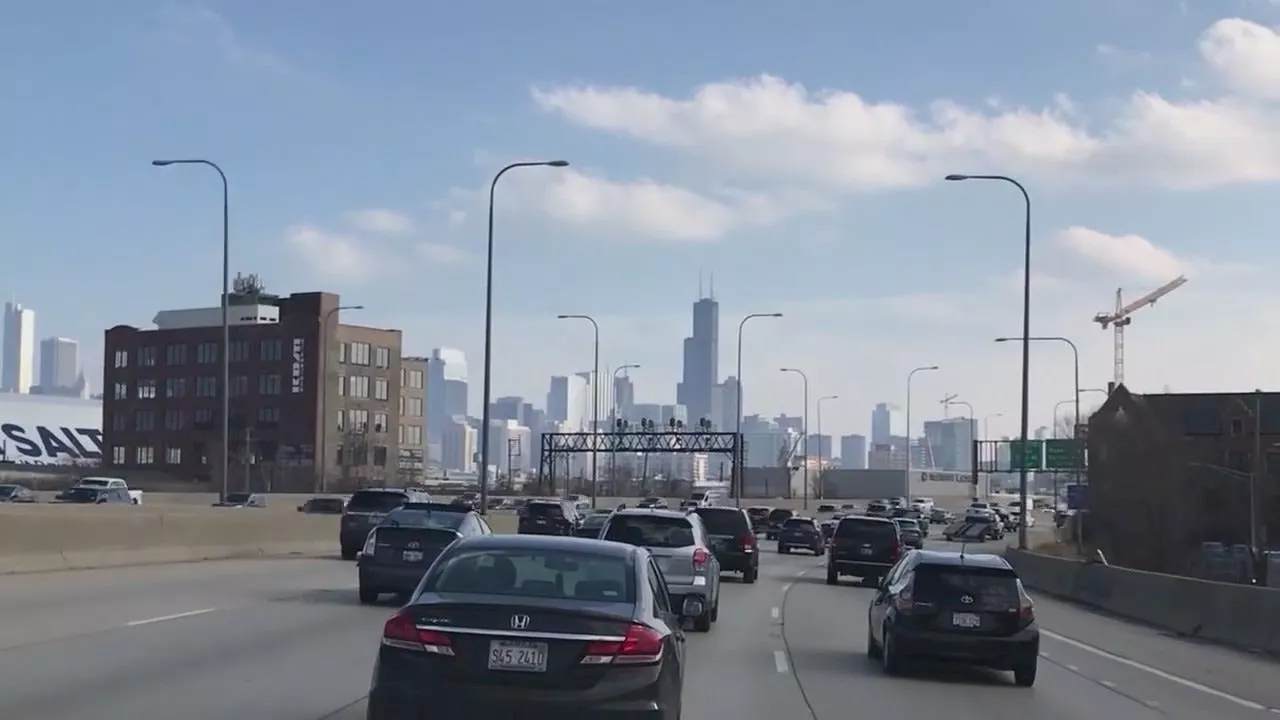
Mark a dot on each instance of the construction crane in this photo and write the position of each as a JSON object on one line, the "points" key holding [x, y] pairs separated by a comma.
{"points": [[1120, 319]]}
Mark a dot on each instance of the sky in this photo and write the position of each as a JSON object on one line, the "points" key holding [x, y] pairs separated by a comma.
{"points": [[795, 151]]}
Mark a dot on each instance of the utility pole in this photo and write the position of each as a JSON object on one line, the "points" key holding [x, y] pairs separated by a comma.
{"points": [[513, 450], [248, 456]]}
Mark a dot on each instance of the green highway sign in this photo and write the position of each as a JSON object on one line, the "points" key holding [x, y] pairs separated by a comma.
{"points": [[1030, 456], [1063, 455]]}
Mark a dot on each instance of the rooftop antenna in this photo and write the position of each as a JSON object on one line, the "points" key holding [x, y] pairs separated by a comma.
{"points": [[712, 290], [699, 283]]}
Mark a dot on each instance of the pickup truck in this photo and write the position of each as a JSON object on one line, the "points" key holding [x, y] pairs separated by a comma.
{"points": [[110, 483]]}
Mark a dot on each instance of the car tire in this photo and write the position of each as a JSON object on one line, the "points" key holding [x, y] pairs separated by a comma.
{"points": [[890, 660], [715, 611], [368, 595], [783, 549], [702, 623], [749, 575], [349, 554], [1025, 675], [833, 578]]}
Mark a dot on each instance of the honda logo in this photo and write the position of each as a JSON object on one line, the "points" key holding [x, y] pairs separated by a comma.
{"points": [[519, 622], [966, 599]]}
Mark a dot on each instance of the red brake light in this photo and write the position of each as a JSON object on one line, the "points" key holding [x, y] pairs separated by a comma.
{"points": [[748, 542], [700, 558], [401, 632], [1026, 608], [642, 645]]}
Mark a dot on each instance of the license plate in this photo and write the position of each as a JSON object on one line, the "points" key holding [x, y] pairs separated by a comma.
{"points": [[517, 656], [413, 556], [864, 551], [966, 620]]}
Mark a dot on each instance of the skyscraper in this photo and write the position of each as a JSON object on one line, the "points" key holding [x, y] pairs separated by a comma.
{"points": [[19, 348], [701, 361], [881, 424], [59, 366], [624, 396], [853, 452], [446, 390]]}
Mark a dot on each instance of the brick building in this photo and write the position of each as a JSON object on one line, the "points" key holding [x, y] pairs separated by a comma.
{"points": [[292, 364], [413, 418]]}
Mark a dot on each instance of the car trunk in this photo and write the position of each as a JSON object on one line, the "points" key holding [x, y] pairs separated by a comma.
{"points": [[865, 541], [966, 600], [411, 545]]}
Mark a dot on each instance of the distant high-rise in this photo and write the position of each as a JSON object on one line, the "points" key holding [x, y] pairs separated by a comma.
{"points": [[60, 367], [446, 390], [568, 400], [853, 452], [881, 424], [701, 361], [19, 348], [624, 396]]}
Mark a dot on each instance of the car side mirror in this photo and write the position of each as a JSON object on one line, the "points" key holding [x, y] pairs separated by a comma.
{"points": [[692, 607]]}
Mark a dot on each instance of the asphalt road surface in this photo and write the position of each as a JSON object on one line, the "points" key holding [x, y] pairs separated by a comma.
{"points": [[288, 640]]}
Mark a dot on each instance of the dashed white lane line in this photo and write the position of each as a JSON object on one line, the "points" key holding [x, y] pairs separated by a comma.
{"points": [[175, 616], [775, 613], [780, 661], [1184, 682]]}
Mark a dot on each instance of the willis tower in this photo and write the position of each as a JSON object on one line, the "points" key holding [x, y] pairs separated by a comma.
{"points": [[701, 361]]}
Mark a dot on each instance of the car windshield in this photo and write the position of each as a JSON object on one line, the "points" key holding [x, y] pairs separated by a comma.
{"points": [[535, 573], [374, 501], [860, 528], [544, 509], [83, 494], [989, 589], [798, 523], [7, 490], [595, 521], [780, 515], [326, 504], [723, 522], [438, 519], [653, 531]]}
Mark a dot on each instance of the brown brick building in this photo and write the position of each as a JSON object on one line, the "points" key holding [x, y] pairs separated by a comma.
{"points": [[162, 395]]}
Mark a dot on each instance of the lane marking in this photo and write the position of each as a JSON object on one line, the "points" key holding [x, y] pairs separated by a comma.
{"points": [[1184, 682], [780, 661], [775, 613], [175, 616], [1108, 683]]}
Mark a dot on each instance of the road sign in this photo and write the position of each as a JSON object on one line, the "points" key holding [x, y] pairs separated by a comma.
{"points": [[1030, 456], [1063, 455], [1077, 497]]}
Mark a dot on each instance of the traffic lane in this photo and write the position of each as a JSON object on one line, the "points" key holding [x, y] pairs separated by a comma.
{"points": [[68, 604], [289, 656], [739, 669], [825, 632]]}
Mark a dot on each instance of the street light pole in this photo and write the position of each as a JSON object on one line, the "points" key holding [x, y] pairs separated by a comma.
{"points": [[595, 400], [805, 472], [322, 447], [224, 462], [818, 404], [741, 457], [488, 331], [1026, 335], [907, 484]]}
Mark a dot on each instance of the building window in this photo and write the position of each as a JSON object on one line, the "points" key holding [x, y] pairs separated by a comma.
{"points": [[122, 358], [268, 417], [380, 455], [380, 389], [359, 354], [342, 353], [271, 350], [146, 389], [382, 357], [172, 419], [380, 422], [358, 386], [358, 421], [239, 385], [238, 351], [147, 356], [342, 420], [120, 391], [268, 384], [119, 453], [146, 455], [206, 386], [202, 419], [175, 387], [207, 353], [342, 385], [118, 422], [412, 435], [175, 355], [144, 421], [412, 407], [173, 455], [400, 434], [415, 379]]}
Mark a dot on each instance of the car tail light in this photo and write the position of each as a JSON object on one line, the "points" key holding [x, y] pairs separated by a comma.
{"points": [[748, 542], [370, 543], [401, 632], [904, 601], [700, 558], [641, 646], [1026, 608]]}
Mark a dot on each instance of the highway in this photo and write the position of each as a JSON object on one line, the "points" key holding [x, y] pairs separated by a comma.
{"points": [[287, 640]]}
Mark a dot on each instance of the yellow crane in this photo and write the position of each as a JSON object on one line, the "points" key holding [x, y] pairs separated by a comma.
{"points": [[1120, 319]]}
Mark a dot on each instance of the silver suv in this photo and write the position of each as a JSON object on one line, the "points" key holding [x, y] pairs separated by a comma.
{"points": [[679, 544]]}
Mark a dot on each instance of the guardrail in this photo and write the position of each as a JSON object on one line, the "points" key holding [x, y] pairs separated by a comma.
{"points": [[1242, 616]]}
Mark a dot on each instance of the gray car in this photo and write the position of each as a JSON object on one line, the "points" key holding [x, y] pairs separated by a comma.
{"points": [[680, 545]]}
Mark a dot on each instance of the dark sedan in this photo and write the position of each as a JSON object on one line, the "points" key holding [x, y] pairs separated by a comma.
{"points": [[592, 524], [399, 550], [530, 626]]}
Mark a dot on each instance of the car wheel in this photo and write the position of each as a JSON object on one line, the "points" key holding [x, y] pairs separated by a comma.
{"points": [[348, 554], [749, 575], [715, 611], [889, 657], [873, 650], [702, 623], [368, 595], [833, 578], [783, 549], [1025, 675]]}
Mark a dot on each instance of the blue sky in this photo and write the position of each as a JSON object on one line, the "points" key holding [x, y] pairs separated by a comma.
{"points": [[794, 151]]}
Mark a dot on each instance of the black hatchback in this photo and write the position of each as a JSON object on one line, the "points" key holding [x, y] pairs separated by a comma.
{"points": [[548, 517], [954, 606], [732, 540], [399, 550]]}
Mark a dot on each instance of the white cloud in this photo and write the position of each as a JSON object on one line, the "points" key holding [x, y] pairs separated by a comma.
{"points": [[1134, 256], [780, 132], [380, 221], [195, 25], [443, 254], [645, 207], [332, 256]]}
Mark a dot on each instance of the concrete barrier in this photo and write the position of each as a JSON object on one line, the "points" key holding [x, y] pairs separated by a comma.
{"points": [[1242, 616]]}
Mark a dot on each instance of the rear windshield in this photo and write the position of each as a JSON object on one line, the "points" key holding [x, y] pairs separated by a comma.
{"points": [[326, 504], [864, 528], [798, 523], [378, 502], [238, 498], [442, 520], [536, 573], [908, 525], [650, 531], [759, 511], [544, 509], [780, 515], [723, 522], [989, 589], [83, 494], [595, 521]]}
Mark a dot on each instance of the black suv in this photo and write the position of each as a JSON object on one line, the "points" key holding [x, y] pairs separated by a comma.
{"points": [[863, 547], [365, 510], [773, 524], [954, 606], [732, 540], [548, 517]]}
